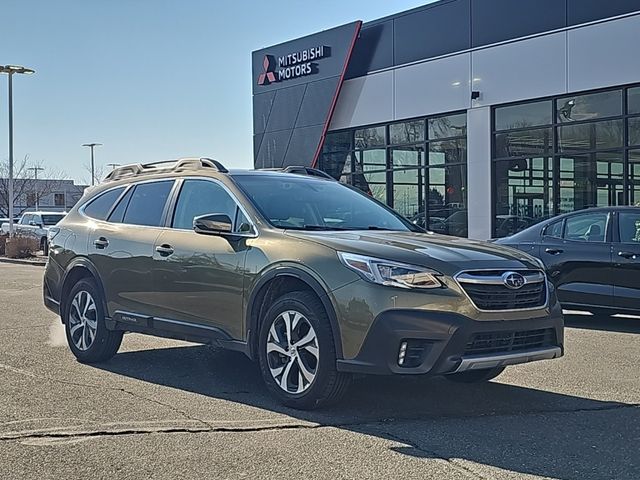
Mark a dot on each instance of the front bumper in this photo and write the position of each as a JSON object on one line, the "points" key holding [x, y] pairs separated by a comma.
{"points": [[444, 340]]}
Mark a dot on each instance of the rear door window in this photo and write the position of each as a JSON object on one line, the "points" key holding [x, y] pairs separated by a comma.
{"points": [[590, 227], [117, 214], [554, 229], [99, 207], [147, 203]]}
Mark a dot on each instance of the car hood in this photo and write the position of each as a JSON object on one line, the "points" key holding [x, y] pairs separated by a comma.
{"points": [[446, 254]]}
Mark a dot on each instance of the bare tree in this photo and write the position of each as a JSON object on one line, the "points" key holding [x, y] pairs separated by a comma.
{"points": [[25, 183], [100, 172]]}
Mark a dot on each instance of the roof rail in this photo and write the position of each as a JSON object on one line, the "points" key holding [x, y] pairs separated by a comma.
{"points": [[165, 166], [302, 170]]}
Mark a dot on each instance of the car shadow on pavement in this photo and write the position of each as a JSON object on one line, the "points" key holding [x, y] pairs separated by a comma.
{"points": [[514, 428], [603, 322]]}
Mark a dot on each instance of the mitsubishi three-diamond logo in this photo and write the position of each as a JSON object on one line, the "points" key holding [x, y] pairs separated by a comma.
{"points": [[267, 76]]}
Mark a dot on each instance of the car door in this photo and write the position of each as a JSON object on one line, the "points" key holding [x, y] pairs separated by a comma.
{"points": [[121, 247], [626, 254], [22, 228], [199, 277], [579, 261]]}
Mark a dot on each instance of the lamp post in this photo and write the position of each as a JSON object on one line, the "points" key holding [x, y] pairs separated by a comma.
{"points": [[11, 70], [93, 167]]}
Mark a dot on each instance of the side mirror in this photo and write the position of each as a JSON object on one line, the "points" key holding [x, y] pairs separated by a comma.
{"points": [[213, 224]]}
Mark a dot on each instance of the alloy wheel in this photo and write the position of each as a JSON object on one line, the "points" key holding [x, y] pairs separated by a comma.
{"points": [[292, 352], [83, 323]]}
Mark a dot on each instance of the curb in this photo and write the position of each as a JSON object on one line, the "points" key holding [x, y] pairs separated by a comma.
{"points": [[18, 261]]}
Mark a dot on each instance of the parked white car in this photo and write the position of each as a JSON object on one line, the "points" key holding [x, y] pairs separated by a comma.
{"points": [[36, 224]]}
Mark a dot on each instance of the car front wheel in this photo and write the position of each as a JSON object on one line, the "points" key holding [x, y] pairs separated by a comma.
{"points": [[297, 353], [87, 335]]}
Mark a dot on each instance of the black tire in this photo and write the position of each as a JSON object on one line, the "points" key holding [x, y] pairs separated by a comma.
{"points": [[105, 342], [328, 386], [475, 376], [44, 246]]}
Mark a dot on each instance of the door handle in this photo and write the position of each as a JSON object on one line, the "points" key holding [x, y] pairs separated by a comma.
{"points": [[164, 250], [101, 243], [628, 255], [553, 251]]}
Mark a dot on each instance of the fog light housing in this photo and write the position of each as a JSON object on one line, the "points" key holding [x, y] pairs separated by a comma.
{"points": [[412, 352]]}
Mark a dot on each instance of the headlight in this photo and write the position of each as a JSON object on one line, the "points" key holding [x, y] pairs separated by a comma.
{"points": [[386, 272]]}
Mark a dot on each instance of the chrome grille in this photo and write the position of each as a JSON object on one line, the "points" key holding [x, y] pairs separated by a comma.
{"points": [[488, 290]]}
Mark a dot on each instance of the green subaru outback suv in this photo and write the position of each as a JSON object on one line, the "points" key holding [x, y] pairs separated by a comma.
{"points": [[313, 279]]}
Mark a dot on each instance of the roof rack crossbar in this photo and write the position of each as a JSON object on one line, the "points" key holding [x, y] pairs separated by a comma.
{"points": [[135, 169]]}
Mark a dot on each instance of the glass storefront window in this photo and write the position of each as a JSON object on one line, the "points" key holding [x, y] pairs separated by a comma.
{"points": [[370, 137], [447, 200], [337, 142], [523, 143], [634, 131], [408, 132], [586, 137], [336, 164], [524, 116], [634, 178], [448, 126], [589, 107], [448, 151], [371, 160], [409, 156], [408, 188], [524, 190], [633, 101]]}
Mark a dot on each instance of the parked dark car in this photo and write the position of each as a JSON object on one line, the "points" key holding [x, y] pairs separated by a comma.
{"points": [[592, 256]]}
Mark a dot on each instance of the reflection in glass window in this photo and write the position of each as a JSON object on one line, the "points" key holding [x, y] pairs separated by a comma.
{"points": [[634, 100], [369, 137], [407, 193], [589, 107], [524, 116], [371, 160], [591, 136], [634, 131], [554, 229], [449, 126], [448, 151], [336, 164], [410, 156], [408, 132], [634, 178], [337, 142], [201, 197], [524, 191], [524, 142], [447, 200]]}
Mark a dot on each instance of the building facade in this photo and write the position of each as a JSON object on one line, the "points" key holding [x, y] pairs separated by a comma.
{"points": [[471, 117], [42, 194]]}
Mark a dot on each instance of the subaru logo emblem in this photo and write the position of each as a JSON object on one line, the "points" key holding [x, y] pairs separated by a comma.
{"points": [[513, 280]]}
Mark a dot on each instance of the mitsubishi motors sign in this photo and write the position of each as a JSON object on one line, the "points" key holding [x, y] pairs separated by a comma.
{"points": [[291, 65]]}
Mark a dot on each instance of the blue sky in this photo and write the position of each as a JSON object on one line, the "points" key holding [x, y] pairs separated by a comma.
{"points": [[150, 79]]}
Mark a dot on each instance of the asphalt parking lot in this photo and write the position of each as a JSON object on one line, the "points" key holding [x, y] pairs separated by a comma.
{"points": [[167, 409]]}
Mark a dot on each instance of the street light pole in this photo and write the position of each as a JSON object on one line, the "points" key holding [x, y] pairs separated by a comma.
{"points": [[35, 177], [10, 70], [93, 167]]}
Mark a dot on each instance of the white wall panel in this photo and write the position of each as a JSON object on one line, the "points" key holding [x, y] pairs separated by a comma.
{"points": [[521, 70], [479, 172], [364, 100], [438, 86], [605, 54]]}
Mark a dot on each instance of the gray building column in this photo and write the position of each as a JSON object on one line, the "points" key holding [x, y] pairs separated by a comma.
{"points": [[479, 198]]}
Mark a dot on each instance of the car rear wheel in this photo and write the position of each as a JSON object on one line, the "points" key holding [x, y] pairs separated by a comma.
{"points": [[87, 335], [297, 353], [475, 376]]}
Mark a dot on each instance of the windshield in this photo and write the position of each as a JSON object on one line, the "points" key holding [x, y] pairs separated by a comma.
{"points": [[51, 220], [306, 203]]}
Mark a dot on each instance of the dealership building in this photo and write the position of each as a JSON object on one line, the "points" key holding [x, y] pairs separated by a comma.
{"points": [[473, 117]]}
